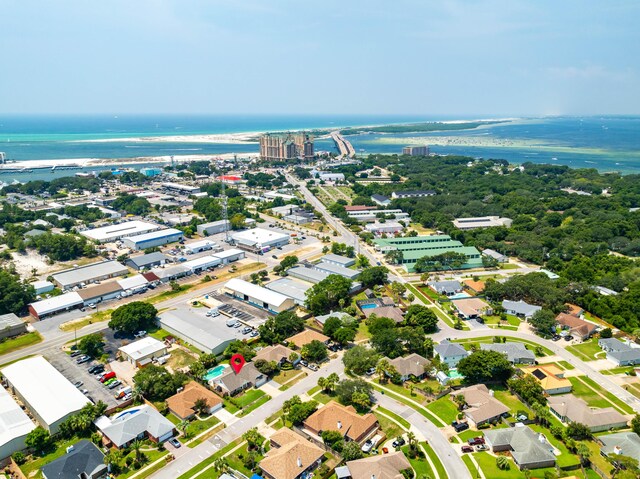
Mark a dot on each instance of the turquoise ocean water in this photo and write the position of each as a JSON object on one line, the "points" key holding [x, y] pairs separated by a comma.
{"points": [[610, 143]]}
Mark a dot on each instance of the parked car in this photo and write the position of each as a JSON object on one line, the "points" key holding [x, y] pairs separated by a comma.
{"points": [[83, 359], [109, 381], [313, 367], [107, 376], [140, 334], [399, 442], [254, 333], [366, 447], [568, 337], [304, 363], [476, 441], [95, 369], [467, 449], [174, 442], [115, 384], [481, 447], [75, 353], [237, 325], [246, 330], [371, 371], [78, 384], [460, 426]]}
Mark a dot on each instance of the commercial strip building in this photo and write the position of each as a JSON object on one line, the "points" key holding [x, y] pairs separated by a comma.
{"points": [[100, 292], [416, 247], [338, 260], [388, 227], [42, 287], [258, 296], [259, 240], [153, 239], [57, 304], [147, 261], [200, 246], [207, 334], [332, 268], [481, 222], [292, 288], [135, 423], [229, 255], [108, 234], [181, 189], [90, 273], [11, 325], [369, 216], [14, 425], [48, 395], [412, 194], [142, 352], [309, 275]]}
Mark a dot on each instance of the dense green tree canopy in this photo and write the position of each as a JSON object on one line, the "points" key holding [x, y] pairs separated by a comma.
{"points": [[485, 366], [157, 384], [281, 326], [133, 317], [325, 296], [16, 294]]}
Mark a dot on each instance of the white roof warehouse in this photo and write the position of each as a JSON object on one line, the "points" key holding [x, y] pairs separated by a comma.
{"points": [[110, 233], [50, 397], [153, 239], [14, 425], [89, 274], [258, 296]]}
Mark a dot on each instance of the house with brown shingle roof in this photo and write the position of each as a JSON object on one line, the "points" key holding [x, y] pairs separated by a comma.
{"points": [[569, 408], [183, 403], [344, 419], [412, 365], [384, 466], [305, 337], [291, 456], [576, 326], [277, 353], [474, 286], [481, 406]]}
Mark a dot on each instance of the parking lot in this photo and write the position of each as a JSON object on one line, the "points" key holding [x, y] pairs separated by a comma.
{"points": [[78, 372], [245, 313]]}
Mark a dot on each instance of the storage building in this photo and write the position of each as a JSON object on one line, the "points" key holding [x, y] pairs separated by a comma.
{"points": [[147, 261], [215, 227], [181, 189], [100, 292], [230, 255], [310, 275], [209, 335], [336, 269], [42, 287], [143, 351], [292, 288], [200, 246], [258, 296], [110, 233], [48, 395], [133, 283], [338, 260], [14, 425], [57, 304], [260, 240], [89, 274], [153, 239], [202, 263], [11, 325], [171, 272]]}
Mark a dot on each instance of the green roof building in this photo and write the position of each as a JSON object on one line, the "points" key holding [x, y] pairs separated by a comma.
{"points": [[415, 247]]}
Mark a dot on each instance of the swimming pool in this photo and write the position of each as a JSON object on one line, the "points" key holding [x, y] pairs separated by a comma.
{"points": [[460, 296], [214, 372], [454, 374], [368, 306]]}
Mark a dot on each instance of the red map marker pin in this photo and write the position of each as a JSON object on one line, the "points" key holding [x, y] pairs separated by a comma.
{"points": [[236, 362]]}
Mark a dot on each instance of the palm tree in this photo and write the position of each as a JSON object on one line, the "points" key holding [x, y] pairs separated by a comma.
{"points": [[221, 465], [183, 425], [322, 383], [381, 369], [136, 445], [584, 452], [332, 381], [459, 400], [137, 395], [411, 439], [503, 463]]}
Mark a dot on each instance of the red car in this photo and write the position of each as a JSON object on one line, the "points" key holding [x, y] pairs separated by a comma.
{"points": [[467, 449], [476, 441], [107, 376]]}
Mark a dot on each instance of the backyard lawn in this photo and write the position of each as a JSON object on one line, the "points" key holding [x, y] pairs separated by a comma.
{"points": [[445, 409], [247, 398], [503, 395]]}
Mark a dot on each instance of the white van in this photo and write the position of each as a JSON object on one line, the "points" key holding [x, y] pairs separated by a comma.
{"points": [[232, 322]]}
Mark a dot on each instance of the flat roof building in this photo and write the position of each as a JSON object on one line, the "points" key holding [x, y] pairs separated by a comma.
{"points": [[147, 260], [42, 287], [200, 246], [89, 274], [258, 296], [292, 288], [310, 275], [100, 292], [200, 264], [260, 239], [333, 268], [229, 255], [481, 222], [143, 351], [215, 227], [207, 334], [111, 233], [14, 425], [181, 189], [48, 395], [153, 239], [338, 259], [50, 306]]}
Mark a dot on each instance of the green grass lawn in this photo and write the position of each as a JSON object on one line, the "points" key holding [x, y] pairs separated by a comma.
{"points": [[420, 466], [19, 342], [236, 463], [494, 319], [200, 425], [393, 415], [583, 391], [390, 428], [487, 463], [565, 365], [247, 397], [464, 436], [565, 459], [503, 395], [400, 389], [196, 470], [37, 462], [255, 405], [363, 332], [445, 409], [626, 409], [587, 350], [435, 459], [620, 370], [152, 455], [288, 375]]}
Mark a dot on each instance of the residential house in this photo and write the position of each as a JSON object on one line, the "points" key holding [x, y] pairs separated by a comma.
{"points": [[229, 383], [83, 460], [383, 466], [620, 444], [305, 337], [139, 422], [447, 288], [550, 377], [344, 419], [499, 257], [450, 353], [338, 314], [183, 403], [520, 308], [475, 287], [277, 353], [619, 353], [481, 407], [142, 352], [577, 327], [291, 456], [472, 308], [516, 353], [386, 311], [411, 366], [528, 449], [569, 408]]}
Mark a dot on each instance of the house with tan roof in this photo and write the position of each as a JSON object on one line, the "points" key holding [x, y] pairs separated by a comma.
{"points": [[576, 326], [383, 466], [472, 308], [480, 405], [277, 353], [569, 408], [473, 286], [344, 419], [550, 377], [410, 366], [291, 456], [305, 337], [183, 403]]}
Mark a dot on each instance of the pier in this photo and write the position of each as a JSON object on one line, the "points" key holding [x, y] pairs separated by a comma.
{"points": [[344, 146]]}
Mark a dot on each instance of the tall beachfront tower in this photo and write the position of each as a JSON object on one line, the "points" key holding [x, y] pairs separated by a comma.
{"points": [[286, 146]]}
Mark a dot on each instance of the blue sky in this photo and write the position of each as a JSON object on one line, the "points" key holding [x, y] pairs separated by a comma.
{"points": [[475, 57]]}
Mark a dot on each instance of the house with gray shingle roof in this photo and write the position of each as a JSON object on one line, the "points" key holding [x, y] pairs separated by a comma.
{"points": [[620, 353], [84, 460], [528, 449], [569, 408], [448, 288], [520, 308], [134, 423], [450, 353], [516, 353], [621, 444]]}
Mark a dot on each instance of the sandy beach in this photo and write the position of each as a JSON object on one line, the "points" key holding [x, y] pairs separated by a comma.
{"points": [[248, 137]]}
